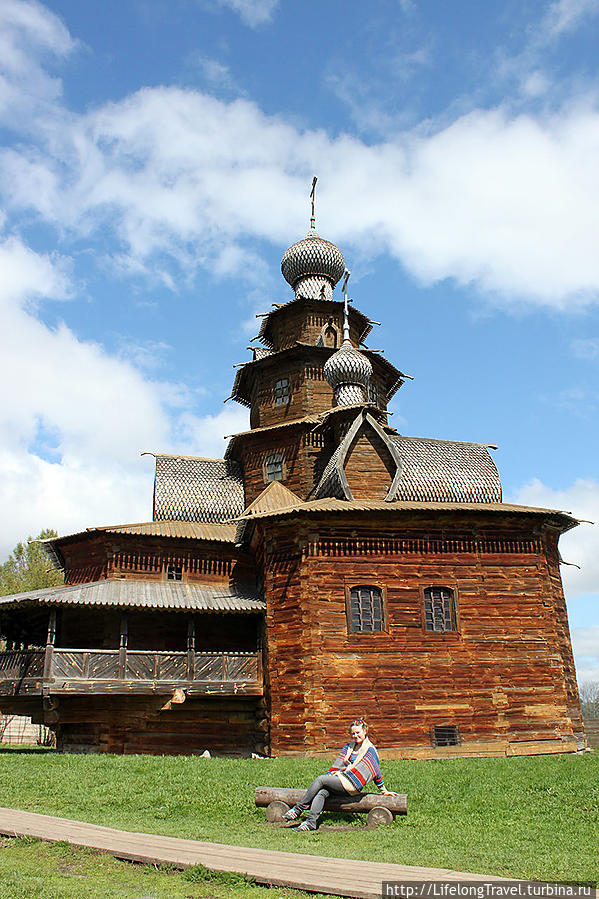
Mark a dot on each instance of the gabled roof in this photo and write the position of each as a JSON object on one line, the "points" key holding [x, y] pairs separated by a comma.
{"points": [[275, 496], [425, 470], [333, 481], [190, 488], [129, 593]]}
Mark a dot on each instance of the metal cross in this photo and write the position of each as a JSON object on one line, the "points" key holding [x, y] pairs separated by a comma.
{"points": [[313, 197]]}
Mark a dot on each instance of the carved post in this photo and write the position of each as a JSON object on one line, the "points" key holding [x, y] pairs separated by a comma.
{"points": [[50, 641], [123, 647], [260, 660], [191, 647]]}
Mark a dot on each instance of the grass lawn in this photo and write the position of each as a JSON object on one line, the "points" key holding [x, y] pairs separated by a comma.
{"points": [[531, 818]]}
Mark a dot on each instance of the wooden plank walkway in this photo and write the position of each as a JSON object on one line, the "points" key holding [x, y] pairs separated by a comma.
{"points": [[315, 873]]}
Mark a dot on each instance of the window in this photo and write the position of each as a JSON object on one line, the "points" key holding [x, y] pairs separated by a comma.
{"points": [[273, 467], [282, 392], [365, 610], [174, 573], [445, 735], [439, 609]]}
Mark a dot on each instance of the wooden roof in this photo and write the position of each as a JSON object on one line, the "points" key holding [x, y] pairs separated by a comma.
{"points": [[193, 488], [392, 376], [179, 530], [265, 335], [130, 593], [343, 506], [426, 470]]}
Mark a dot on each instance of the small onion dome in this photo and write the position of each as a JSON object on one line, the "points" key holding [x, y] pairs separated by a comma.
{"points": [[313, 266], [348, 372]]}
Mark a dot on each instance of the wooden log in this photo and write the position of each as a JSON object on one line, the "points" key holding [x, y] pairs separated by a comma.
{"points": [[364, 802]]}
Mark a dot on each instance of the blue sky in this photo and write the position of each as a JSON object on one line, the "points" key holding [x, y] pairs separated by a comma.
{"points": [[155, 163]]}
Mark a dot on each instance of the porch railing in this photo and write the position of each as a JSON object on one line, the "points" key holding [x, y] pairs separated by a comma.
{"points": [[61, 667]]}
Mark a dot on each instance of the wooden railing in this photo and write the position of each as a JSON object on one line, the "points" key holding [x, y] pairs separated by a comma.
{"points": [[59, 669], [19, 663]]}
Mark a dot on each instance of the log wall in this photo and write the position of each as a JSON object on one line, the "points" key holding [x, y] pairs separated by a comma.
{"points": [[504, 678], [146, 558], [144, 724]]}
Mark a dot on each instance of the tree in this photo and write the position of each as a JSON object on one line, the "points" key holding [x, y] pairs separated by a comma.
{"points": [[589, 699], [29, 568]]}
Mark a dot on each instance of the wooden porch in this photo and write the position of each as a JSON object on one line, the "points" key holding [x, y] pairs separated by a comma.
{"points": [[72, 671]]}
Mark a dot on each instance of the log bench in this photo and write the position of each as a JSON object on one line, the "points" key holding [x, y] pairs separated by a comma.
{"points": [[380, 809]]}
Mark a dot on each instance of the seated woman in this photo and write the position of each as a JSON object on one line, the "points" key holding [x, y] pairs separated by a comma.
{"points": [[355, 766]]}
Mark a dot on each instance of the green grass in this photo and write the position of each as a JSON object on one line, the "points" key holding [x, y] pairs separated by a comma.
{"points": [[30, 869], [532, 818]]}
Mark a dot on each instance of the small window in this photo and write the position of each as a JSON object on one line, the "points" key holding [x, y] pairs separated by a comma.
{"points": [[174, 573], [445, 735], [439, 609], [282, 392], [365, 612], [273, 468]]}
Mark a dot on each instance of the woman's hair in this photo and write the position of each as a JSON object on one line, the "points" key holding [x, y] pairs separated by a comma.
{"points": [[359, 722]]}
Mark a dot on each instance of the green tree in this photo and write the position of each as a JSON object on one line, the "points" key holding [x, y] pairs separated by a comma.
{"points": [[29, 567]]}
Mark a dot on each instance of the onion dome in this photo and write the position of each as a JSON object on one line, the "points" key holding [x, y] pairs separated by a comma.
{"points": [[348, 371], [313, 266]]}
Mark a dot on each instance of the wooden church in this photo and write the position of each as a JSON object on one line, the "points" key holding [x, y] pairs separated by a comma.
{"points": [[327, 567]]}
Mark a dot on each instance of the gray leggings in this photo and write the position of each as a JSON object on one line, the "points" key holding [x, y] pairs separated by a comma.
{"points": [[319, 790]]}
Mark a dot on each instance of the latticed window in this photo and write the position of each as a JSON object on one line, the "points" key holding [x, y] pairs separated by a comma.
{"points": [[174, 573], [365, 610], [282, 392], [445, 735], [439, 609], [273, 467]]}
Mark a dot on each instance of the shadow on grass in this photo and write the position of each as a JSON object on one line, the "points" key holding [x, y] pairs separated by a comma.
{"points": [[26, 749]]}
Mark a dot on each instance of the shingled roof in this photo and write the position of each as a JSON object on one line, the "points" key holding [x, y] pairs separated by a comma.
{"points": [[426, 470], [446, 471], [189, 488], [124, 593]]}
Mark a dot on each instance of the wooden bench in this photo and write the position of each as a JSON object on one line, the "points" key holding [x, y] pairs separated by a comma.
{"points": [[381, 809]]}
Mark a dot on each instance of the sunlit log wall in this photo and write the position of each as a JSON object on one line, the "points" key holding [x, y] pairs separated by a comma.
{"points": [[505, 677]]}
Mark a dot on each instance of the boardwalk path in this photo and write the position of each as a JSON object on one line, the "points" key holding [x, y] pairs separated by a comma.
{"points": [[340, 876]]}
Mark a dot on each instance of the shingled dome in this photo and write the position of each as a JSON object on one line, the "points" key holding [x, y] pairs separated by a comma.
{"points": [[348, 372], [313, 266]]}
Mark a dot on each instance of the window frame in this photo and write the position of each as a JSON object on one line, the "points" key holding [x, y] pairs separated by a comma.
{"points": [[362, 586], [280, 398], [175, 568], [453, 588], [283, 477]]}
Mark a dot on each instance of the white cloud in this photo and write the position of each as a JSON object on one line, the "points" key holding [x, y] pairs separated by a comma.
{"points": [[510, 204], [73, 419], [585, 347], [207, 433], [585, 645], [29, 34], [252, 12], [216, 74], [565, 15], [580, 545]]}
